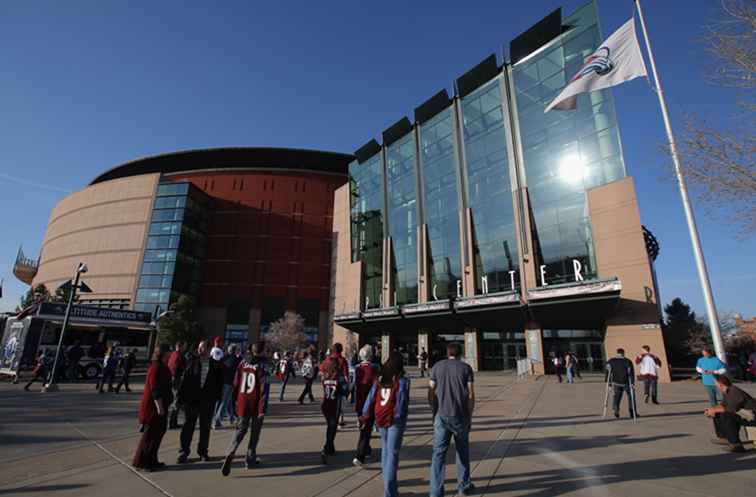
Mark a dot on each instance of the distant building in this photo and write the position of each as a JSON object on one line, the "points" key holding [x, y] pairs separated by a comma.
{"points": [[745, 326]]}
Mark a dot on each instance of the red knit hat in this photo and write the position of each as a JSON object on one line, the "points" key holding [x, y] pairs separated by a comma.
{"points": [[218, 341]]}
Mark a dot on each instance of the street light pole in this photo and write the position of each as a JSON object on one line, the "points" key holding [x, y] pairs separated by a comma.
{"points": [[51, 385]]}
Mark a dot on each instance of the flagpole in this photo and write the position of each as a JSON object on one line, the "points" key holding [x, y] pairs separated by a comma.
{"points": [[703, 274]]}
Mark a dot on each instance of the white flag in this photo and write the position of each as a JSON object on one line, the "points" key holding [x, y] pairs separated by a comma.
{"points": [[617, 60]]}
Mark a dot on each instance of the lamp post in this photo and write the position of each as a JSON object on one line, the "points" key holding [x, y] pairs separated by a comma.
{"points": [[80, 269]]}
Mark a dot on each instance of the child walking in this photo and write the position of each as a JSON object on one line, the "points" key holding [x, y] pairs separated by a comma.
{"points": [[387, 405]]}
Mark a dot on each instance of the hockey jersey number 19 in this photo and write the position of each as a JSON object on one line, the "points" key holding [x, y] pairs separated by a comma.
{"points": [[250, 389]]}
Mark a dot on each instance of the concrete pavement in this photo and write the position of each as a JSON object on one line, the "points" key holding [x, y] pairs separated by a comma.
{"points": [[532, 437]]}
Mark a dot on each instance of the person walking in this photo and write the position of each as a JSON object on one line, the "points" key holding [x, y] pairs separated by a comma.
{"points": [[249, 385], [422, 362], [648, 372], [201, 387], [74, 353], [284, 371], [707, 366], [153, 411], [737, 409], [752, 365], [40, 369], [109, 365], [309, 372], [226, 405], [569, 366], [387, 406], [336, 356], [364, 378], [176, 364], [128, 362], [451, 385], [334, 389], [620, 374], [556, 361]]}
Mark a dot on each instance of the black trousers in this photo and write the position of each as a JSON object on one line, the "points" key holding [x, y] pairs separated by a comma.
{"points": [[108, 375], [363, 444], [244, 424], [146, 455], [174, 410], [617, 400], [650, 388], [307, 390], [332, 426], [37, 376], [124, 381], [204, 412], [727, 425]]}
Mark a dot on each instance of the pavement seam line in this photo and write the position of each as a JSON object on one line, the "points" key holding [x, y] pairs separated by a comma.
{"points": [[122, 462]]}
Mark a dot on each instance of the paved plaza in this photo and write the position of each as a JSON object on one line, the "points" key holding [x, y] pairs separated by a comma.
{"points": [[533, 437]]}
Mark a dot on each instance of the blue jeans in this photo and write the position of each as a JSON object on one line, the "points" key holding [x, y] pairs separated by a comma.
{"points": [[443, 429], [391, 443], [225, 406], [570, 375], [711, 391]]}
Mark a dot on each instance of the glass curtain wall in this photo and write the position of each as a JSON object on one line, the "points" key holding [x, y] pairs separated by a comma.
{"points": [[489, 190], [176, 245], [366, 214], [438, 160], [565, 153], [402, 217]]}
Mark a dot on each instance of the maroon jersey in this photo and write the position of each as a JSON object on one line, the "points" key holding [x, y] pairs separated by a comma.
{"points": [[250, 389], [385, 404], [342, 363], [332, 392], [364, 377]]}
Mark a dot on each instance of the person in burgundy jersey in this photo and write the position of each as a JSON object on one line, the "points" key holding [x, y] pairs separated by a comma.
{"points": [[176, 364], [334, 389], [387, 405], [343, 367], [249, 386], [153, 411], [284, 371], [364, 378]]}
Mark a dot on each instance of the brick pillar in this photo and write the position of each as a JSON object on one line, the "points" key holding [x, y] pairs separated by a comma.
{"points": [[471, 347], [534, 345], [386, 345]]}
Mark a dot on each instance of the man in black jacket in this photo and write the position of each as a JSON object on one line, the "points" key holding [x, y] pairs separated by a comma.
{"points": [[620, 373], [736, 410], [127, 364], [201, 387]]}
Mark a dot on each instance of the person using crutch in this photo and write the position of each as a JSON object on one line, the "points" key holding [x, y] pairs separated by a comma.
{"points": [[620, 374]]}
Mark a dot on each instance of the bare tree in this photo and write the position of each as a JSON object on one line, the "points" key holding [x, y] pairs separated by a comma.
{"points": [[720, 162], [287, 333]]}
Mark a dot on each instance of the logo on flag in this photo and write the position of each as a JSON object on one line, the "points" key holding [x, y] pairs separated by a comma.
{"points": [[617, 60]]}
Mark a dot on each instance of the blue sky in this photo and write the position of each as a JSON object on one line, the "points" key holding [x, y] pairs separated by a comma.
{"points": [[86, 85]]}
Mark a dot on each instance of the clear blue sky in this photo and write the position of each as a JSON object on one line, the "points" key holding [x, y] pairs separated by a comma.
{"points": [[86, 85]]}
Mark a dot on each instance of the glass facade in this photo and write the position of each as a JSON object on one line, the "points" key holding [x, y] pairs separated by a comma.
{"points": [[489, 190], [438, 162], [366, 217], [565, 152], [402, 217], [176, 244]]}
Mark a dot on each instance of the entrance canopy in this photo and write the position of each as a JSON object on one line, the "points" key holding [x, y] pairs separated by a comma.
{"points": [[574, 306]]}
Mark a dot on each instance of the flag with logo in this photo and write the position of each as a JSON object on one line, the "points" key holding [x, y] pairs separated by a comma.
{"points": [[617, 60]]}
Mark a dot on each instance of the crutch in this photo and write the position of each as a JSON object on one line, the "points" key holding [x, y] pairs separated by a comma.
{"points": [[631, 393], [606, 394]]}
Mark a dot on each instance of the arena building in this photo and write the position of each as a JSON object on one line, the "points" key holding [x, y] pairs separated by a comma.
{"points": [[487, 221], [246, 232]]}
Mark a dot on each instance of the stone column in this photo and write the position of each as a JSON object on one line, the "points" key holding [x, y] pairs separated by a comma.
{"points": [[534, 345], [386, 345]]}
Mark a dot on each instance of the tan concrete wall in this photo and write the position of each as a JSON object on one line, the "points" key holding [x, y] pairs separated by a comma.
{"points": [[347, 276], [621, 252], [104, 226]]}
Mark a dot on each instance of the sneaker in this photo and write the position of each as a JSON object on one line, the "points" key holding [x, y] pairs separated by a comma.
{"points": [[204, 458], [323, 457], [467, 491], [226, 468], [182, 459], [616, 414], [358, 463], [645, 399], [719, 441], [253, 464]]}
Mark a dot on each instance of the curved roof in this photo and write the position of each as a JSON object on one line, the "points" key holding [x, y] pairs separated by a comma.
{"points": [[231, 157]]}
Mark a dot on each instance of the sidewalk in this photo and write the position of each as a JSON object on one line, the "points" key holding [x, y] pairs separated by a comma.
{"points": [[533, 437]]}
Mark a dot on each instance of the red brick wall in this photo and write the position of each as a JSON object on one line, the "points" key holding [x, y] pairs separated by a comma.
{"points": [[269, 234]]}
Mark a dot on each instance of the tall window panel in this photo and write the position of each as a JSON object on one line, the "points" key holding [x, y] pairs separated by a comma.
{"points": [[402, 217], [441, 203], [366, 216], [565, 153], [489, 191]]}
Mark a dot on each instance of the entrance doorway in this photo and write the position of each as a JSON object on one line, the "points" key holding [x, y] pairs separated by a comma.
{"points": [[501, 350], [587, 345]]}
